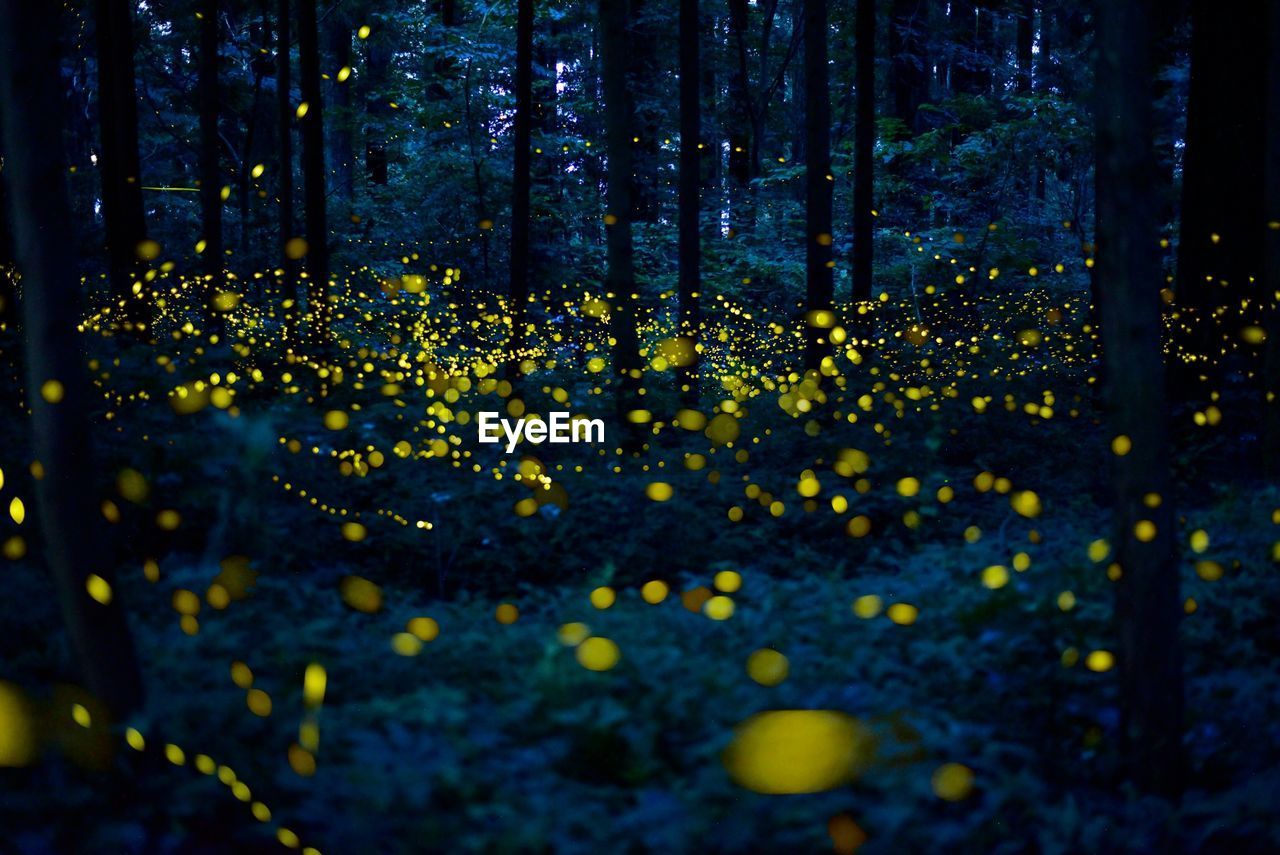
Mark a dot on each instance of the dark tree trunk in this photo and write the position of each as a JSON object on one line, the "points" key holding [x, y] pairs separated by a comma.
{"points": [[341, 142], [210, 147], [377, 67], [285, 110], [710, 99], [971, 24], [122, 210], [31, 121], [864, 141], [1271, 275], [519, 286], [1220, 246], [690, 248], [1025, 42], [620, 280], [817, 123], [313, 175], [1148, 606], [739, 131], [909, 61], [642, 53], [8, 307]]}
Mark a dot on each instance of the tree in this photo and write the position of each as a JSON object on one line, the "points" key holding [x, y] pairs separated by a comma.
{"points": [[1148, 606], [519, 285], [817, 123], [620, 278], [690, 203], [909, 63], [30, 102], [1271, 275], [864, 145], [313, 175], [210, 146], [1025, 38], [341, 139], [1222, 227], [285, 113], [122, 211]]}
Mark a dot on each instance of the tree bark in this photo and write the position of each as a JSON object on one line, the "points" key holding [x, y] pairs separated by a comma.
{"points": [[30, 103], [210, 146], [122, 210], [1025, 43], [519, 285], [285, 111], [909, 64], [864, 139], [817, 123], [620, 282], [690, 244], [1222, 185], [1148, 606], [341, 141], [313, 176], [1271, 274]]}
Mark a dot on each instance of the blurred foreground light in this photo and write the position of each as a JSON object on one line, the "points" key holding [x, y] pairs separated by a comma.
{"points": [[17, 727], [797, 751]]}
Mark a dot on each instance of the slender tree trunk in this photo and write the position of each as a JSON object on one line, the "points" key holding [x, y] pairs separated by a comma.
{"points": [[210, 147], [377, 66], [1148, 606], [285, 109], [909, 63], [519, 287], [313, 175], [690, 247], [1271, 276], [1223, 222], [122, 210], [817, 123], [8, 307], [863, 148], [341, 142], [620, 280], [739, 131], [710, 99], [1025, 43], [30, 118]]}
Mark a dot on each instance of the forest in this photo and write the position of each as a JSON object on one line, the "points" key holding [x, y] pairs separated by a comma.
{"points": [[909, 376]]}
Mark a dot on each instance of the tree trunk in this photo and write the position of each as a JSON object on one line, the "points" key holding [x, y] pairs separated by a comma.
{"points": [[519, 286], [377, 66], [122, 210], [210, 146], [341, 142], [313, 175], [30, 105], [620, 281], [8, 307], [739, 131], [1025, 42], [1148, 606], [817, 124], [1271, 276], [864, 140], [909, 62], [690, 247], [1222, 229], [284, 106]]}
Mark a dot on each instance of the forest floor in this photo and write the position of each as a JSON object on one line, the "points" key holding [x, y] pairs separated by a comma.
{"points": [[923, 538]]}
